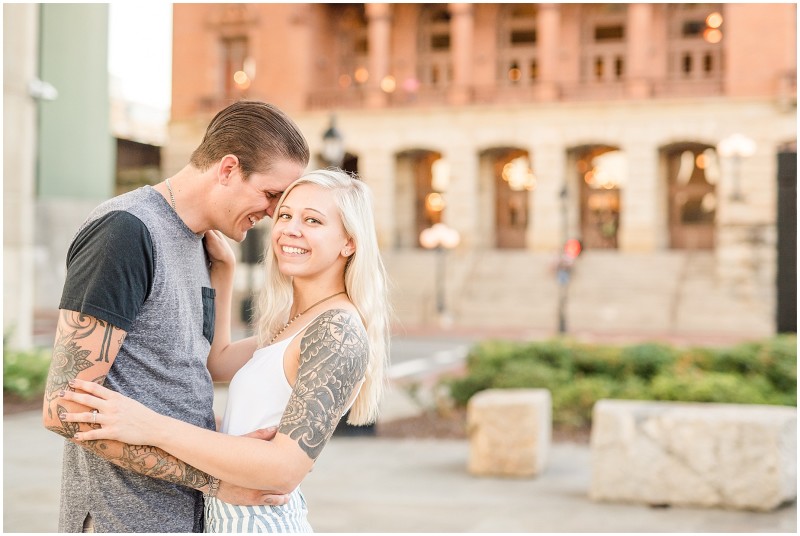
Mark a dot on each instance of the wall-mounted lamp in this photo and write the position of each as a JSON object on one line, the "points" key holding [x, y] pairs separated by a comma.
{"points": [[333, 145], [736, 146]]}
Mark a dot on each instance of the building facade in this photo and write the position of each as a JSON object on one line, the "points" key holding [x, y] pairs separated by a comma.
{"points": [[650, 132]]}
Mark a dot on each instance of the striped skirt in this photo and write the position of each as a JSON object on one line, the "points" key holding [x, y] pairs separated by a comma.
{"points": [[291, 517]]}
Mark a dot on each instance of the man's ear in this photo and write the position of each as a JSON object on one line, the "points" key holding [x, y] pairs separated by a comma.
{"points": [[227, 165]]}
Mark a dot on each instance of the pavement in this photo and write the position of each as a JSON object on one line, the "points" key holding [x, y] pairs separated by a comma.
{"points": [[373, 484]]}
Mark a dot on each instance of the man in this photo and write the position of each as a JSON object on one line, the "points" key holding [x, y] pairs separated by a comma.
{"points": [[137, 314]]}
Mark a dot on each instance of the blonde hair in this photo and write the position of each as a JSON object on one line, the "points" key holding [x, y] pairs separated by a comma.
{"points": [[365, 281]]}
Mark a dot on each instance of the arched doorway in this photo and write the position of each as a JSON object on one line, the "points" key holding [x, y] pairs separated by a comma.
{"points": [[511, 180], [600, 171], [692, 174], [422, 177]]}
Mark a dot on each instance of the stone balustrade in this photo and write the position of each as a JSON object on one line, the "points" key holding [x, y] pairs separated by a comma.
{"points": [[693, 454], [509, 432]]}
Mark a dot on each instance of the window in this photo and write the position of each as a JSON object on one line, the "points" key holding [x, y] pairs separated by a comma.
{"points": [[517, 44], [603, 42], [435, 65]]}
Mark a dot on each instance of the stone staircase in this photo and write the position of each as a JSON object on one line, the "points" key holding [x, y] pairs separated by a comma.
{"points": [[667, 292]]}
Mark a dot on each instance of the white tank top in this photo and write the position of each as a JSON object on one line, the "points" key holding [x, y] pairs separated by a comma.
{"points": [[259, 391]]}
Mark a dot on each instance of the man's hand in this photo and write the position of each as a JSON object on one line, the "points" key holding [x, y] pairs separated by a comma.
{"points": [[233, 494]]}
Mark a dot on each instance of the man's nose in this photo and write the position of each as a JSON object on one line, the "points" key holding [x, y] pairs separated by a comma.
{"points": [[271, 206]]}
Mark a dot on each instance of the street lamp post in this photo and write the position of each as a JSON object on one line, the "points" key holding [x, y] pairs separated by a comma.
{"points": [[333, 145], [736, 147], [440, 238]]}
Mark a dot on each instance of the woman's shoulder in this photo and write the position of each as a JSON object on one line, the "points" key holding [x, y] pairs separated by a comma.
{"points": [[340, 323]]}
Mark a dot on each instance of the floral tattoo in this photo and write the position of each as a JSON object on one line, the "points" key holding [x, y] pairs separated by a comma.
{"points": [[333, 359]]}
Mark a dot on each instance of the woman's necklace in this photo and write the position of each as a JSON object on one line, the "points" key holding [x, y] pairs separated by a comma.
{"points": [[298, 315]]}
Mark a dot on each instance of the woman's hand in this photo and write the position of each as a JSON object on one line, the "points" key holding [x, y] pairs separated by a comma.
{"points": [[114, 416], [219, 251]]}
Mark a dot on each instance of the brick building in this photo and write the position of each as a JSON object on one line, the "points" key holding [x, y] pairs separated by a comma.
{"points": [[651, 132]]}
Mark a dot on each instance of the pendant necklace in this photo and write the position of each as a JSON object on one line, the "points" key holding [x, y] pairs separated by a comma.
{"points": [[298, 315]]}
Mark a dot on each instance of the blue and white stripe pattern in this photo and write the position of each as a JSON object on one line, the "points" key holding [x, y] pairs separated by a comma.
{"points": [[291, 517]]}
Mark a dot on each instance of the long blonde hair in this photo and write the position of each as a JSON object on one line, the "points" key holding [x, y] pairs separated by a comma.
{"points": [[365, 281]]}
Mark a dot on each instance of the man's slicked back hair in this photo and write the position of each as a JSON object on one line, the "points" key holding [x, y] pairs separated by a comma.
{"points": [[258, 133]]}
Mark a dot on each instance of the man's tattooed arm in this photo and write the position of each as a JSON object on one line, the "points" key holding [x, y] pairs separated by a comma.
{"points": [[333, 360], [86, 347]]}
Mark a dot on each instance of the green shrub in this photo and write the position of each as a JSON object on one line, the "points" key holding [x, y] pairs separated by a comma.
{"points": [[573, 401], [25, 372], [578, 375], [597, 360], [647, 360]]}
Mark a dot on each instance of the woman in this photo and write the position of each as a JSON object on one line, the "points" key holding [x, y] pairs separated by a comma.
{"points": [[320, 349]]}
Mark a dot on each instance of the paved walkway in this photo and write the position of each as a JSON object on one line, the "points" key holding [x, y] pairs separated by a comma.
{"points": [[388, 485]]}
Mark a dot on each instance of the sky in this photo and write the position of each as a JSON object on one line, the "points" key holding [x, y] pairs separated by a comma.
{"points": [[140, 50]]}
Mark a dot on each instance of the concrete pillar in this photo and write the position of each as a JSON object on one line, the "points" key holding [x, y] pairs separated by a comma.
{"points": [[640, 202], [548, 23], [462, 197], [550, 168], [638, 79], [20, 34], [376, 167], [462, 30], [379, 37]]}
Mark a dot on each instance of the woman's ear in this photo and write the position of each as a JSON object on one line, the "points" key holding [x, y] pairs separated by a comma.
{"points": [[349, 248]]}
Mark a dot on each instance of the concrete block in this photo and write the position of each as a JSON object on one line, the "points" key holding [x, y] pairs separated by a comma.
{"points": [[509, 432], [693, 454]]}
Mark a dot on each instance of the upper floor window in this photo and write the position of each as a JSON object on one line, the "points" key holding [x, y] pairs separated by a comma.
{"points": [[353, 62], [603, 37], [435, 64], [695, 36], [517, 44], [237, 69]]}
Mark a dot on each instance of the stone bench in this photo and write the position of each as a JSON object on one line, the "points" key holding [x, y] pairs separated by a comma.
{"points": [[694, 454], [509, 432]]}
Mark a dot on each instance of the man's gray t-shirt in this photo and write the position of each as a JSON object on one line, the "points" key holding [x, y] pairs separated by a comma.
{"points": [[136, 265]]}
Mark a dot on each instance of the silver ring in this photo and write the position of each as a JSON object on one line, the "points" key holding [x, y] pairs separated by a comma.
{"points": [[94, 416]]}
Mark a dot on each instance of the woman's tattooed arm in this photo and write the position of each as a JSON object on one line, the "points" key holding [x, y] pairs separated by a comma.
{"points": [[333, 360]]}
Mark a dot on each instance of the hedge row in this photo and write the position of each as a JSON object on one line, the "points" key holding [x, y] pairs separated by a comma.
{"points": [[579, 374]]}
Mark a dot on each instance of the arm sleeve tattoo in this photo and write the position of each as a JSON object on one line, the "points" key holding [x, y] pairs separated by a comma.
{"points": [[333, 360], [85, 343]]}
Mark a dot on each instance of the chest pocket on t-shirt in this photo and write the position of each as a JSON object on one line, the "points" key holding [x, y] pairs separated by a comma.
{"points": [[209, 313]]}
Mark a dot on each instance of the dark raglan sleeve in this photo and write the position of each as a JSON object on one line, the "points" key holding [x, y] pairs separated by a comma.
{"points": [[110, 269]]}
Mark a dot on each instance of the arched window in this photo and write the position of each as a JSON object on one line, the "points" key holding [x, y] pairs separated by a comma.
{"points": [[692, 174], [600, 172], [512, 181], [420, 194]]}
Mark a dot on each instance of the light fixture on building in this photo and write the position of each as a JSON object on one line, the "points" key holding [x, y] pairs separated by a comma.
{"points": [[361, 75], [41, 90], [388, 84], [241, 79], [712, 32], [736, 147], [434, 202], [519, 175], [440, 175], [333, 145], [345, 81]]}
